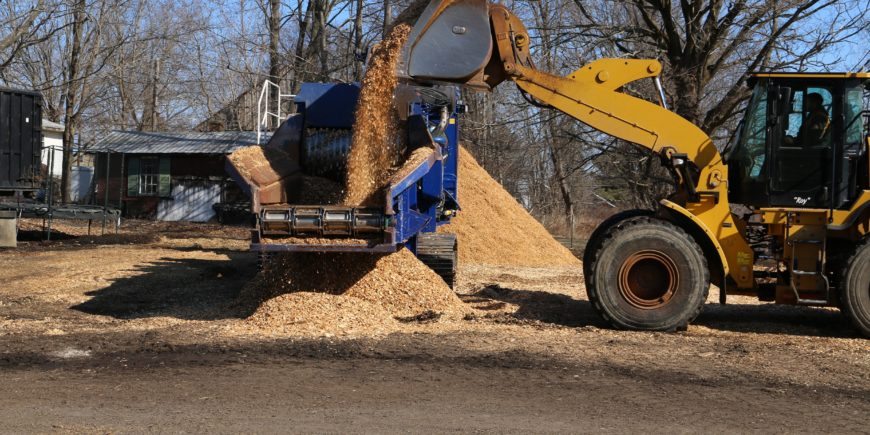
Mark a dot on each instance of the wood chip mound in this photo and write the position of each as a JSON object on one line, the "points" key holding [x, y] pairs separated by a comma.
{"points": [[494, 229], [262, 165], [292, 292], [317, 314], [417, 157], [376, 146], [318, 191]]}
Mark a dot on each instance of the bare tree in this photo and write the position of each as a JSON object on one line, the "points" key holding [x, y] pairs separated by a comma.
{"points": [[274, 38], [71, 95], [88, 52], [710, 46], [23, 24]]}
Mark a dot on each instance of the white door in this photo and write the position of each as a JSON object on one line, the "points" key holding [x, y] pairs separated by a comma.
{"points": [[80, 182]]}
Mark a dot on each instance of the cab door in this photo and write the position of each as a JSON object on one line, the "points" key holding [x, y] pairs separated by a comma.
{"points": [[802, 147]]}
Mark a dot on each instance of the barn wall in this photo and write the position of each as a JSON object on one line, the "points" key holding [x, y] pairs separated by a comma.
{"points": [[197, 182]]}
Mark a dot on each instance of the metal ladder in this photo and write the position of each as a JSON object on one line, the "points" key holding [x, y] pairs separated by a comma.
{"points": [[818, 273], [264, 107]]}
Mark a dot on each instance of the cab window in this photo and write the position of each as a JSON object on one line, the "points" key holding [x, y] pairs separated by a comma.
{"points": [[808, 123], [854, 120], [755, 133]]}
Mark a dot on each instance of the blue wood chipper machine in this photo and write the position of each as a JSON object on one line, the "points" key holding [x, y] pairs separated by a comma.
{"points": [[315, 141]]}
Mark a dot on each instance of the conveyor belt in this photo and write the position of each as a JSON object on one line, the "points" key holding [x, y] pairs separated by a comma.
{"points": [[319, 221]]}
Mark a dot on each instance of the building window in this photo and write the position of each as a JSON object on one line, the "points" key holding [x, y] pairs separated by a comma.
{"points": [[149, 176]]}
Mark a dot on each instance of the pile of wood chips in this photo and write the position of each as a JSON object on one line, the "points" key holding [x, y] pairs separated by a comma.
{"points": [[417, 157], [341, 293], [261, 164], [350, 294], [318, 191], [494, 229]]}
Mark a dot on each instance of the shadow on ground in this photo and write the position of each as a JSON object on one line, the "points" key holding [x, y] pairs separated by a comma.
{"points": [[37, 239], [39, 235], [536, 306], [197, 289], [563, 310], [776, 319], [184, 288]]}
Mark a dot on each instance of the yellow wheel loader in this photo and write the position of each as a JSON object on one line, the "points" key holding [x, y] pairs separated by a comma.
{"points": [[784, 214]]}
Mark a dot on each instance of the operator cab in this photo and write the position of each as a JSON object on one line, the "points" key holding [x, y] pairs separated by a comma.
{"points": [[803, 141]]}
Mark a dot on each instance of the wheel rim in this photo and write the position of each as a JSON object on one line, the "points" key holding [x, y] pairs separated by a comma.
{"points": [[648, 279]]}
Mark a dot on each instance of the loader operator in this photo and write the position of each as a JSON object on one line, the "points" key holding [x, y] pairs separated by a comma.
{"points": [[815, 125]]}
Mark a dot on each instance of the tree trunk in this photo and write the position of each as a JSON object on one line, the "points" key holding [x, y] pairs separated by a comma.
{"points": [[71, 98], [274, 61], [155, 81], [688, 105], [322, 53], [299, 75], [358, 52], [388, 17], [542, 15], [561, 177]]}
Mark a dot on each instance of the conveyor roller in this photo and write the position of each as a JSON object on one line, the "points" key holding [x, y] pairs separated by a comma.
{"points": [[322, 221]]}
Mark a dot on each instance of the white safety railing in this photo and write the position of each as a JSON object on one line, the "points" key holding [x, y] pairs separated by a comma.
{"points": [[264, 107]]}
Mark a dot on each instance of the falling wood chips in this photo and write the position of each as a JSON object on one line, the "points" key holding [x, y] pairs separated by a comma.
{"points": [[376, 146]]}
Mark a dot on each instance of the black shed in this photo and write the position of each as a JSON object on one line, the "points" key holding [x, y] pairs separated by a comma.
{"points": [[20, 140]]}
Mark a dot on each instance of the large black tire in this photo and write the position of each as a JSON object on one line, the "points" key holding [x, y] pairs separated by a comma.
{"points": [[648, 274], [855, 289], [602, 232]]}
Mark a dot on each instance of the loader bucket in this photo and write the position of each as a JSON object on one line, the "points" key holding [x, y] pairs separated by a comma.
{"points": [[451, 42]]}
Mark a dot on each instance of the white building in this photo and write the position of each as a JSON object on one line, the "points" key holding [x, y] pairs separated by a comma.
{"points": [[52, 160], [52, 147]]}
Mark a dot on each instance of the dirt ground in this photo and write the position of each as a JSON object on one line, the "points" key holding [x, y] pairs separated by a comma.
{"points": [[141, 332]]}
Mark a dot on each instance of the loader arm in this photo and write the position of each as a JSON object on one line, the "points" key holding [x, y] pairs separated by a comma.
{"points": [[592, 95]]}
